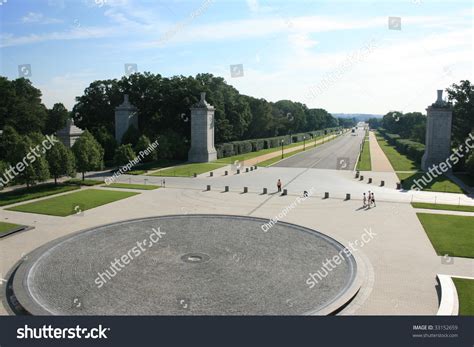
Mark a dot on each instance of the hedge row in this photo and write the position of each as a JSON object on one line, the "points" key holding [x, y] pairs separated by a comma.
{"points": [[229, 149], [413, 150]]}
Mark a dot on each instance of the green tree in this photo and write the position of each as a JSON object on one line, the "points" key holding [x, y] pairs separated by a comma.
{"points": [[131, 136], [89, 154], [3, 176], [106, 140], [124, 154], [61, 161], [32, 167], [142, 144], [57, 118], [462, 97]]}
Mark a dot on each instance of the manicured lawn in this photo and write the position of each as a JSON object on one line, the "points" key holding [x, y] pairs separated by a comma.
{"points": [[399, 161], [437, 184], [364, 163], [452, 235], [142, 169], [40, 191], [6, 227], [80, 182], [132, 186], [187, 170], [73, 203], [465, 289], [467, 179], [443, 207]]}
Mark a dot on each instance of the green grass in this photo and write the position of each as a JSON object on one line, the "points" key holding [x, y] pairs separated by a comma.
{"points": [[80, 182], [364, 163], [132, 186], [452, 235], [466, 178], [73, 203], [142, 169], [465, 289], [438, 184], [40, 191], [399, 161], [187, 170], [6, 227], [443, 207]]}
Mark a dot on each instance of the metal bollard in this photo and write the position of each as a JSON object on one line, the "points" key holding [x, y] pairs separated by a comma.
{"points": [[208, 187], [246, 189], [195, 175], [370, 180], [348, 196], [238, 171], [226, 173], [211, 174], [285, 192], [399, 186], [326, 195], [226, 189], [251, 168], [264, 191], [361, 178], [357, 174], [255, 167], [246, 169], [382, 183]]}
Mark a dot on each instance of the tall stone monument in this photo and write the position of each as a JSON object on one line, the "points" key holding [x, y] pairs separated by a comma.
{"points": [[202, 132], [69, 134], [438, 133], [125, 116]]}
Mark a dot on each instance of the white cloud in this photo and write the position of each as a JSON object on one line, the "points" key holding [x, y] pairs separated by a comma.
{"points": [[38, 18]]}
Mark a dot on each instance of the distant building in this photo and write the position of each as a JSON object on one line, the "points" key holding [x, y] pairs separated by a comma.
{"points": [[69, 134]]}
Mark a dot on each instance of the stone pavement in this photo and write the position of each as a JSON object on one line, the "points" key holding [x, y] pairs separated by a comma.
{"points": [[378, 158], [400, 263]]}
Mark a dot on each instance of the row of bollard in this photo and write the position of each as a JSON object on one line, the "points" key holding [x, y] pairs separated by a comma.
{"points": [[369, 180], [226, 173]]}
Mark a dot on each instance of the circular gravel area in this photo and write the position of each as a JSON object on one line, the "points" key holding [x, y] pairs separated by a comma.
{"points": [[186, 265]]}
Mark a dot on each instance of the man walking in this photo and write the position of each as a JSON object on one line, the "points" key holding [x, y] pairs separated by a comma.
{"points": [[364, 200], [373, 200], [369, 200], [279, 185]]}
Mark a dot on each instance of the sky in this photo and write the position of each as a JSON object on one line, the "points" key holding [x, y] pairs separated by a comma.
{"points": [[344, 56]]}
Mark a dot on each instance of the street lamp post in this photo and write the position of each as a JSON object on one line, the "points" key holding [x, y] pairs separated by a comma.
{"points": [[282, 142], [304, 143]]}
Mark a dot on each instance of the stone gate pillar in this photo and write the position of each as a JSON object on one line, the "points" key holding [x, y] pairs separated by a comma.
{"points": [[125, 116], [202, 132], [438, 133]]}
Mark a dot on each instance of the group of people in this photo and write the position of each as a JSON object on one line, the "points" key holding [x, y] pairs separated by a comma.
{"points": [[369, 200]]}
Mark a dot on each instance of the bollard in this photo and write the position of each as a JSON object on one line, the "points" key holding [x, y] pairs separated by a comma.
{"points": [[226, 189], [382, 183], [370, 180], [211, 174], [246, 169], [251, 168], [255, 167], [399, 186], [285, 192], [208, 187], [348, 196], [264, 191], [246, 189], [326, 195], [361, 178], [226, 173], [238, 171], [195, 174], [357, 174]]}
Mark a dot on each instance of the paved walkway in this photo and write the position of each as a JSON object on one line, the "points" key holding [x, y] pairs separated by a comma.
{"points": [[378, 158]]}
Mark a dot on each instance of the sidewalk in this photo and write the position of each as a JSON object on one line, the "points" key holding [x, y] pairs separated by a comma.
{"points": [[378, 158]]}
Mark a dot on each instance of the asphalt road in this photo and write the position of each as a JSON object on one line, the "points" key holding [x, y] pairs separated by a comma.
{"points": [[338, 154]]}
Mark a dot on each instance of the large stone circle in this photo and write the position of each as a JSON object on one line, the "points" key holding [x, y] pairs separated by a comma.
{"points": [[199, 265]]}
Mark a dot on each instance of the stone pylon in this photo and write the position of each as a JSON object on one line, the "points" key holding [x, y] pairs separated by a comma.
{"points": [[125, 116], [438, 133], [202, 132]]}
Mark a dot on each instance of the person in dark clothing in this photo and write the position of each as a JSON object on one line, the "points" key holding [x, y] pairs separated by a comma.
{"points": [[279, 185]]}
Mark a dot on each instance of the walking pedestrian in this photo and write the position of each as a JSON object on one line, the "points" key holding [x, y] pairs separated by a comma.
{"points": [[373, 200], [369, 199], [364, 200], [279, 185]]}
